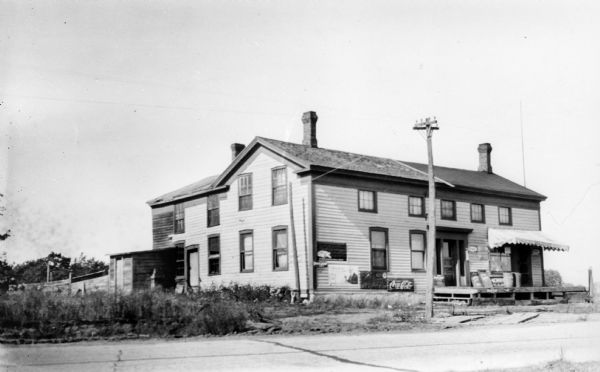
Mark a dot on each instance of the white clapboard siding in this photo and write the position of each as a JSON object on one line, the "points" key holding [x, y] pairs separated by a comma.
{"points": [[339, 221], [261, 219]]}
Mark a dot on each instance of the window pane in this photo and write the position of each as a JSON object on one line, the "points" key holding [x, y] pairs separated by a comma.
{"points": [[378, 258], [447, 209], [281, 239], [280, 195], [213, 245], [378, 239], [366, 200], [279, 177], [415, 206], [504, 215], [476, 212], [417, 242], [282, 259], [245, 202], [417, 260], [213, 266], [247, 242]]}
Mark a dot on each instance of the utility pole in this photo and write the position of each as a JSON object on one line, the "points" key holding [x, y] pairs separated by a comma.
{"points": [[429, 125]]}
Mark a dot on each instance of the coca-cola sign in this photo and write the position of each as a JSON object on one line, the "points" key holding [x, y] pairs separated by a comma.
{"points": [[400, 285]]}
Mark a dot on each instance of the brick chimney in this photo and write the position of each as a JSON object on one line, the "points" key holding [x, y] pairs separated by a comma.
{"points": [[236, 148], [485, 157], [309, 120]]}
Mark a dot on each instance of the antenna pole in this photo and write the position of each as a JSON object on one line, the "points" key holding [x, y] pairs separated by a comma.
{"points": [[522, 142], [429, 125]]}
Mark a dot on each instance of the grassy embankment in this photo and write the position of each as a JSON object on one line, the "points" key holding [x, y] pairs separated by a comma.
{"points": [[41, 316]]}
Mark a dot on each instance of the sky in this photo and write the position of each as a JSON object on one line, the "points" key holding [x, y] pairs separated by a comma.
{"points": [[105, 105]]}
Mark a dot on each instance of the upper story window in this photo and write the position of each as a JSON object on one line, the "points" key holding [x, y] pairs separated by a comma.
{"points": [[214, 255], [448, 210], [504, 216], [417, 250], [367, 201], [212, 211], [179, 218], [279, 185], [416, 206], [280, 248], [379, 247], [477, 213], [245, 191]]}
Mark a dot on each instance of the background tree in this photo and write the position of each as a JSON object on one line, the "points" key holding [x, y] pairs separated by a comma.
{"points": [[553, 278], [34, 271], [83, 265]]}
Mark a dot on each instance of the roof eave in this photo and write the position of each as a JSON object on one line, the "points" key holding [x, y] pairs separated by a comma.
{"points": [[196, 195], [322, 169]]}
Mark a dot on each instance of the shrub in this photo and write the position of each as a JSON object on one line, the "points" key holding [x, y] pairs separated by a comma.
{"points": [[215, 310]]}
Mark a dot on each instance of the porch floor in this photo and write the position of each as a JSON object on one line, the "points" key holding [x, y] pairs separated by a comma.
{"points": [[468, 294]]}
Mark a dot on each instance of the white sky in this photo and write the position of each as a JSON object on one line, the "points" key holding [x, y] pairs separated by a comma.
{"points": [[105, 105]]}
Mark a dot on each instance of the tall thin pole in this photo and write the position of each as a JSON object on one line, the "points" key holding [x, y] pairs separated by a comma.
{"points": [[294, 247], [522, 142], [429, 126]]}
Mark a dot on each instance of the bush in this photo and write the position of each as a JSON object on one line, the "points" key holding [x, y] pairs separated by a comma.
{"points": [[215, 310], [553, 278]]}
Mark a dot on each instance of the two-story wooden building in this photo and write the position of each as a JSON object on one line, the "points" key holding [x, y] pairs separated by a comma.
{"points": [[353, 219]]}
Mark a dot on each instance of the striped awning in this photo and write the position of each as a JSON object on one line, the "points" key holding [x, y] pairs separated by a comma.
{"points": [[499, 237]]}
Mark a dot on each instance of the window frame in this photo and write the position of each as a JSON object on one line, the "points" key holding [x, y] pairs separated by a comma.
{"points": [[482, 213], [178, 215], [245, 195], [243, 252], [422, 206], [276, 187], [179, 258], [387, 247], [209, 210], [275, 249], [212, 257], [453, 218], [424, 234], [510, 219], [374, 210]]}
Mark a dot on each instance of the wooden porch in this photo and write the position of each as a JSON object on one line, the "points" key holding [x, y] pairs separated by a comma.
{"points": [[469, 294]]}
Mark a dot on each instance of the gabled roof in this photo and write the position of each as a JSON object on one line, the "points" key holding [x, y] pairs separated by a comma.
{"points": [[315, 158]]}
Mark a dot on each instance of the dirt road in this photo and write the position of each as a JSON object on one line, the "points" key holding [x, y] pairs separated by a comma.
{"points": [[469, 348]]}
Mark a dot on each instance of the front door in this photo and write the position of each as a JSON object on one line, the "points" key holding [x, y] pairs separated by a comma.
{"points": [[521, 263], [193, 268], [450, 260]]}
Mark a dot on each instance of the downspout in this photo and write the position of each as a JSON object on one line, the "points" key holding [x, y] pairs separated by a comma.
{"points": [[296, 294]]}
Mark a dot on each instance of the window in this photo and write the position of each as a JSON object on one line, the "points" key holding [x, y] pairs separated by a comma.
{"points": [[416, 206], [477, 213], [179, 260], [214, 255], [379, 244], [245, 192], [448, 210], [417, 250], [504, 216], [246, 251], [337, 251], [279, 185], [212, 211], [179, 218], [367, 201], [280, 248]]}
